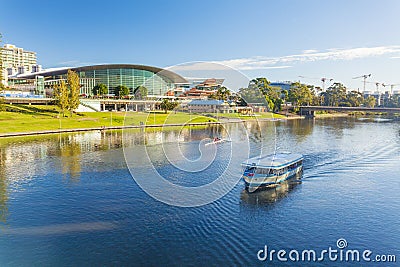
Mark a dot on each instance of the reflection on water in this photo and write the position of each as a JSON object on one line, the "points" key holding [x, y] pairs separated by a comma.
{"points": [[71, 196], [3, 188], [70, 152], [269, 195]]}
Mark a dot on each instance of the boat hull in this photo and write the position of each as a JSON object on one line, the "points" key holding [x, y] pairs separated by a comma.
{"points": [[258, 181]]}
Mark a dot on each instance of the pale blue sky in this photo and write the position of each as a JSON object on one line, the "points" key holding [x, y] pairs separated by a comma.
{"points": [[280, 40]]}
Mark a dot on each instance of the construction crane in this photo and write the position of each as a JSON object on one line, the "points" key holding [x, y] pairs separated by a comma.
{"points": [[323, 80], [380, 97], [365, 76], [377, 85], [391, 86]]}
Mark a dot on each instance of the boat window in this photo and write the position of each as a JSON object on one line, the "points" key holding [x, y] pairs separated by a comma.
{"points": [[262, 171], [250, 169]]}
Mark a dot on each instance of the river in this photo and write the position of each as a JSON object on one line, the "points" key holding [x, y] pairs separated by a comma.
{"points": [[70, 200]]}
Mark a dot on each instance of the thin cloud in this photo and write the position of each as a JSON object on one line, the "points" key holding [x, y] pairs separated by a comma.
{"points": [[278, 67], [310, 51], [226, 65], [260, 62]]}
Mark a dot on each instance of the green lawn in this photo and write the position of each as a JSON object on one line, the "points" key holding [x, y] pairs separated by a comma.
{"points": [[25, 118], [28, 118]]}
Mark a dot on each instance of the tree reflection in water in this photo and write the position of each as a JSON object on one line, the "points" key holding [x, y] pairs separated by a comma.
{"points": [[70, 152]]}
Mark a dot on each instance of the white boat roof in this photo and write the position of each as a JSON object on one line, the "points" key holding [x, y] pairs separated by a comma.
{"points": [[273, 160]]}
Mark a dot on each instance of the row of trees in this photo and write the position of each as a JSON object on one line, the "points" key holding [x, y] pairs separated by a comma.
{"points": [[261, 91], [121, 90]]}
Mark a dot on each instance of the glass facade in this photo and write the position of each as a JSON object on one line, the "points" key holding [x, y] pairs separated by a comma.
{"points": [[158, 81], [39, 85], [130, 77]]}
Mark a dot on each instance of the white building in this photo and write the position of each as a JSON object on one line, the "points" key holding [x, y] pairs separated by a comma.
{"points": [[16, 60], [211, 106]]}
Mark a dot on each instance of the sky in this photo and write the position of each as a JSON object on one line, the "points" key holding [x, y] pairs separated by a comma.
{"points": [[279, 40]]}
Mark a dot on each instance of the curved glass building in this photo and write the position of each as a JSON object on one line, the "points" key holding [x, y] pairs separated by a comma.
{"points": [[157, 81]]}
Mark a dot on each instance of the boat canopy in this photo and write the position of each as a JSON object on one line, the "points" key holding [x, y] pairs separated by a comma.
{"points": [[273, 161]]}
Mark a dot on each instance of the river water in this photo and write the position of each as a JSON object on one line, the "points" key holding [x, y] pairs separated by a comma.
{"points": [[70, 200]]}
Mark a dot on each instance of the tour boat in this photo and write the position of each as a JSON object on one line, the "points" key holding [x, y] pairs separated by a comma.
{"points": [[269, 170]]}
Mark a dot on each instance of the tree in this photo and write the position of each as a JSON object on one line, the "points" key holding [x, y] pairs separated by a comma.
{"points": [[272, 94], [251, 94], [394, 101], [300, 94], [122, 90], [2, 108], [140, 92], [335, 95], [73, 90], [67, 93], [61, 96], [166, 105], [354, 99], [370, 101], [100, 89], [222, 93]]}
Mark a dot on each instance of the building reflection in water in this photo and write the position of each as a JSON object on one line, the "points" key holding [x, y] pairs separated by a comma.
{"points": [[266, 196], [3, 188]]}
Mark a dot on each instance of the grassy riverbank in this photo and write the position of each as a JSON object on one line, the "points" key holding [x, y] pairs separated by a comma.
{"points": [[32, 118], [25, 118]]}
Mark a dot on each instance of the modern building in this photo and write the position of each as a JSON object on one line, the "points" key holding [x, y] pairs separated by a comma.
{"points": [[158, 81], [381, 98], [17, 60], [283, 85], [203, 89], [212, 106]]}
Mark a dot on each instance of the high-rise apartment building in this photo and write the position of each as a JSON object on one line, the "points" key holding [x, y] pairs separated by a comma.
{"points": [[17, 60]]}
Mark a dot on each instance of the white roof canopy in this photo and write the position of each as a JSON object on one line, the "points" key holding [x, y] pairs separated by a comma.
{"points": [[274, 160]]}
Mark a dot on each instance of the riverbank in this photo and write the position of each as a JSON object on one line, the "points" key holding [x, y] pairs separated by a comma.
{"points": [[331, 115], [105, 128], [29, 120], [25, 119]]}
